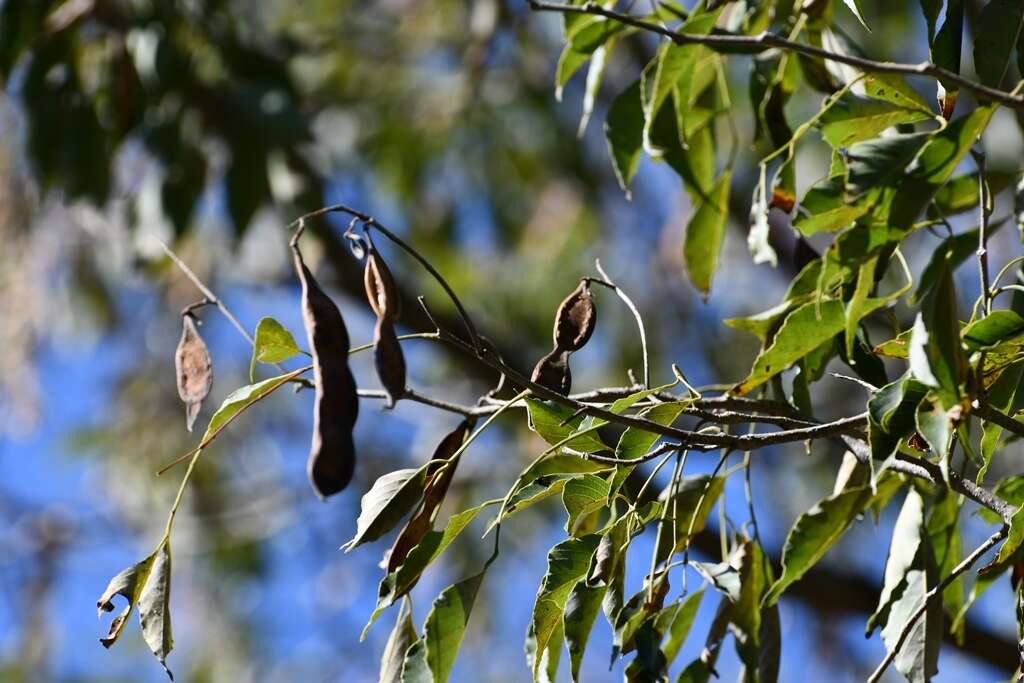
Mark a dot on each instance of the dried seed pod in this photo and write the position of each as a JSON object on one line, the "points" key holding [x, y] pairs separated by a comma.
{"points": [[389, 361], [552, 372], [194, 368], [436, 489], [336, 403], [575, 319], [381, 291]]}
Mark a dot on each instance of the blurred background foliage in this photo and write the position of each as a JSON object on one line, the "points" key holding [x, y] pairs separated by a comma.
{"points": [[210, 125]]}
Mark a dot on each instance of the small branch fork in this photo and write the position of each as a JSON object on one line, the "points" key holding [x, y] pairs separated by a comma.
{"points": [[767, 40]]}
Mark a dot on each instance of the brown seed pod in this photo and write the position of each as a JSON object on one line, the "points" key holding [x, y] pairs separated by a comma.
{"points": [[194, 369], [381, 291], [552, 372], [575, 319], [336, 403], [389, 361], [436, 489]]}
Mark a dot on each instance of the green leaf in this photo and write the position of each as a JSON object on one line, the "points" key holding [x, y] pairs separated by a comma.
{"points": [[569, 62], [430, 547], [995, 327], [936, 426], [892, 415], [148, 585], [567, 564], [877, 163], [854, 119], [943, 528], [273, 344], [824, 208], [704, 235], [551, 421], [624, 132], [917, 660], [635, 441], [402, 637], [594, 77], [1001, 396], [903, 550], [961, 194], [894, 89], [995, 37], [936, 356], [583, 496], [803, 331], [390, 499], [1014, 539], [855, 307], [682, 621], [855, 7], [691, 506], [430, 659], [581, 610], [814, 533]]}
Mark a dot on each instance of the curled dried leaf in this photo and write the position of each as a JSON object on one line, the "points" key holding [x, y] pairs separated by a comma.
{"points": [[381, 291], [389, 360], [336, 403], [439, 478], [194, 369], [552, 372], [575, 319]]}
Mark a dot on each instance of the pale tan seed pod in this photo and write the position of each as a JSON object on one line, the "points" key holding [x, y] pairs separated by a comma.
{"points": [[194, 369], [336, 401], [552, 372], [381, 291], [575, 319]]}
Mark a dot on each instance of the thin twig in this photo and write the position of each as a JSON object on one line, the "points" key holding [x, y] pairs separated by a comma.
{"points": [[371, 222], [983, 216], [767, 40], [998, 417], [636, 314], [908, 625]]}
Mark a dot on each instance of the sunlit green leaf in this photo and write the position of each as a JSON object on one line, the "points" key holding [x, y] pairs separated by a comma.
{"points": [[390, 499]]}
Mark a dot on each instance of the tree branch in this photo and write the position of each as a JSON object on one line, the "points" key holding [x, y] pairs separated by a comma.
{"points": [[908, 625], [766, 41]]}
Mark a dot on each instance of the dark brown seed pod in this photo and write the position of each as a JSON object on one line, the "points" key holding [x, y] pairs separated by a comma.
{"points": [[389, 361], [336, 403], [381, 291], [552, 372], [435, 491], [575, 319], [194, 369]]}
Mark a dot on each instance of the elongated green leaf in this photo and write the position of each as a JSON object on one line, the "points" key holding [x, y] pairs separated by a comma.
{"points": [[995, 37], [943, 526], [401, 639], [635, 441], [430, 659], [917, 659], [594, 78], [391, 498], [903, 550], [624, 132], [567, 564], [995, 327], [705, 233], [273, 344], [814, 533], [1001, 396], [855, 7], [892, 415], [551, 421], [581, 610], [243, 397], [682, 621], [690, 505], [1014, 539], [824, 208], [583, 495], [894, 89], [855, 119], [935, 353]]}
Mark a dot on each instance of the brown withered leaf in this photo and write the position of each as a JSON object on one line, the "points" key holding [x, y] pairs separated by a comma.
{"points": [[389, 360], [194, 369], [575, 319], [435, 491], [336, 403], [552, 372]]}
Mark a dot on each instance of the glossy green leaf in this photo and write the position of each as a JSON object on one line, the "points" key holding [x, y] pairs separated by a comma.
{"points": [[995, 327], [705, 233], [995, 38], [855, 119], [892, 415], [388, 501], [582, 496], [273, 344], [814, 533], [430, 659], [895, 89], [624, 133], [551, 421], [567, 564], [242, 398], [1014, 539]]}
